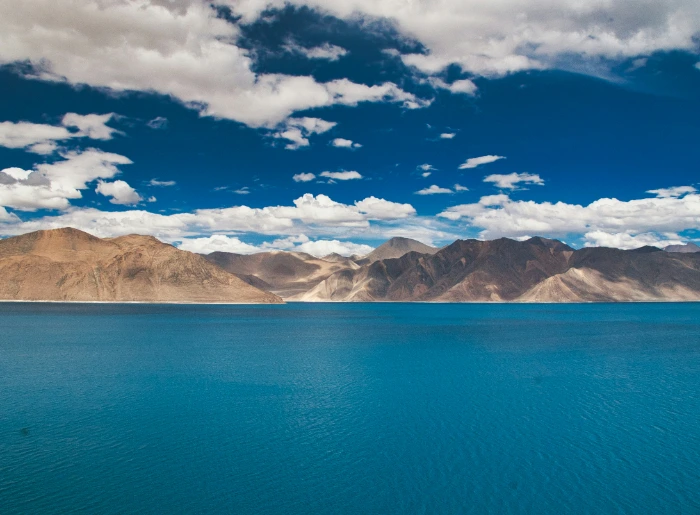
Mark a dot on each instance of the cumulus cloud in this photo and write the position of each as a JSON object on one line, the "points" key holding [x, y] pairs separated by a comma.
{"points": [[498, 215], [625, 240], [317, 215], [42, 138], [120, 191], [217, 243], [426, 167], [342, 176], [473, 162], [53, 185], [345, 143], [490, 38], [434, 190], [512, 180], [459, 187], [303, 177], [298, 130], [326, 51], [182, 49]]}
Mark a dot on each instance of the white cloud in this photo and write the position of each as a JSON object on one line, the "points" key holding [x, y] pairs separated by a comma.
{"points": [[161, 184], [676, 191], [697, 65], [217, 243], [326, 51], [512, 180], [426, 167], [300, 243], [447, 135], [498, 215], [182, 49], [152, 199], [245, 190], [42, 138], [464, 86], [38, 138], [342, 176], [44, 148], [345, 143], [317, 215], [487, 37], [53, 185], [93, 126], [379, 209], [426, 174], [459, 187], [120, 191], [473, 162], [304, 177], [434, 190], [624, 240], [7, 217], [297, 131], [322, 248]]}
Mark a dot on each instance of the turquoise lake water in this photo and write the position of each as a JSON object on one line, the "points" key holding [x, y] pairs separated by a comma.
{"points": [[357, 409]]}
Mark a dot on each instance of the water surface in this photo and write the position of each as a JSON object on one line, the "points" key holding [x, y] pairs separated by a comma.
{"points": [[361, 408]]}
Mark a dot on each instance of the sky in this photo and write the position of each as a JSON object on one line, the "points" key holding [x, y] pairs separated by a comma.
{"points": [[332, 125]]}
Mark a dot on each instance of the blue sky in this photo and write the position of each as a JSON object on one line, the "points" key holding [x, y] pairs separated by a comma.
{"points": [[331, 126]]}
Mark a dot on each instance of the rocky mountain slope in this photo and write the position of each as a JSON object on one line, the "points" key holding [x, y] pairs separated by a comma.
{"points": [[284, 273], [71, 265], [536, 270]]}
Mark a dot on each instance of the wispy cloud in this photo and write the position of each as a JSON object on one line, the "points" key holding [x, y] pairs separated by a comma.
{"points": [[512, 180], [473, 162]]}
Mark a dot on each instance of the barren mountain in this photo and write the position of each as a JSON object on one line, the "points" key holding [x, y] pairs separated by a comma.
{"points": [[687, 248], [71, 265], [536, 270], [284, 273], [395, 248]]}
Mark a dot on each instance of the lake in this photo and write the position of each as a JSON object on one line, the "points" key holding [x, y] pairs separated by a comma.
{"points": [[350, 408]]}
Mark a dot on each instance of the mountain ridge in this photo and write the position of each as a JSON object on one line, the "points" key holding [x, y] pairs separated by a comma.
{"points": [[71, 265]]}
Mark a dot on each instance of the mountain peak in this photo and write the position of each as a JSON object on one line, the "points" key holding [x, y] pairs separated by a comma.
{"points": [[397, 247]]}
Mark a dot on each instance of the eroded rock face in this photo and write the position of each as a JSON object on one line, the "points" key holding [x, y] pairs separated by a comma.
{"points": [[71, 265]]}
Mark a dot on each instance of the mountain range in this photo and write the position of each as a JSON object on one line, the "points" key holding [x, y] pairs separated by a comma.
{"points": [[70, 265]]}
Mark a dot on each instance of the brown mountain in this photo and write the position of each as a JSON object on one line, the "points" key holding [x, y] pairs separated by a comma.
{"points": [[71, 265], [284, 273], [395, 248], [536, 270], [688, 247]]}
